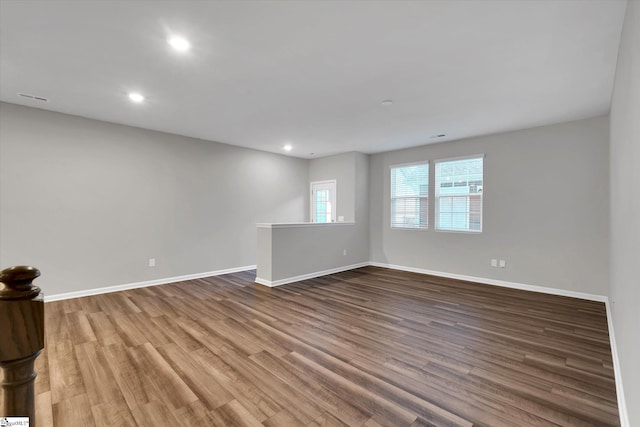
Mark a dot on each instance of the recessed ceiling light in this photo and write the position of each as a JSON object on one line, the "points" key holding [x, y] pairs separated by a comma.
{"points": [[387, 102], [178, 43], [287, 147], [136, 97]]}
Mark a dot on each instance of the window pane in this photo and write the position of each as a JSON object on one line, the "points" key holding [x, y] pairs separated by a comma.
{"points": [[459, 185], [323, 206], [409, 196]]}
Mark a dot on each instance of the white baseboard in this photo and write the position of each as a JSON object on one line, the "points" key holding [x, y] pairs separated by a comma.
{"points": [[279, 282], [622, 405], [503, 283], [96, 291]]}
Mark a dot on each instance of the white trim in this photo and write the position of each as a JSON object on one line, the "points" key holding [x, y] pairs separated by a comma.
{"points": [[424, 229], [420, 162], [325, 181], [108, 289], [514, 285], [622, 405], [468, 156], [446, 230], [302, 224], [279, 282]]}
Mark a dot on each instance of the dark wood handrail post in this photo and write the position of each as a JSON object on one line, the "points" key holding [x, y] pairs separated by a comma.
{"points": [[21, 339]]}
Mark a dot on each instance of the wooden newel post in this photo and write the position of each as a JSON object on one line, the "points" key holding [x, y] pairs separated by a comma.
{"points": [[21, 339]]}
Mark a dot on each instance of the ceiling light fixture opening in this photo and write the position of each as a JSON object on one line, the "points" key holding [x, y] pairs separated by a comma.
{"points": [[136, 97], [179, 43], [386, 102], [287, 147]]}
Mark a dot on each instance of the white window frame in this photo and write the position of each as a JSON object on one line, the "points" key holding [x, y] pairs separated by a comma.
{"points": [[437, 196], [332, 196], [391, 197]]}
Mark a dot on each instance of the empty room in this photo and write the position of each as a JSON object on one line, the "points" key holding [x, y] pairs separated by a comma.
{"points": [[319, 213]]}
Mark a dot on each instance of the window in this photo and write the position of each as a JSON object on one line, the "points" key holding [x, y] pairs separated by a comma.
{"points": [[410, 196], [459, 194], [323, 201]]}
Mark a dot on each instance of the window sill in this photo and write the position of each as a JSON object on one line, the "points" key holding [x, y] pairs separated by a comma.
{"points": [[458, 231], [302, 224]]}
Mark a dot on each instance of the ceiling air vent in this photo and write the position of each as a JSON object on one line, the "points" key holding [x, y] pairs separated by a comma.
{"points": [[34, 97]]}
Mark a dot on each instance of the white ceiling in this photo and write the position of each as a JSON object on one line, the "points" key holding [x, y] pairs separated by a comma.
{"points": [[313, 73]]}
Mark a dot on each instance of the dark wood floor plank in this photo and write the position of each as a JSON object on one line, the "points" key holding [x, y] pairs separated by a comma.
{"points": [[73, 412], [130, 383], [161, 381], [64, 372], [195, 376], [112, 414], [258, 403], [311, 389], [368, 347], [284, 394], [97, 374]]}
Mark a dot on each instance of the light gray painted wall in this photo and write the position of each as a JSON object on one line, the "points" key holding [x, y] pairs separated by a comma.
{"points": [[340, 167], [361, 188], [89, 202], [264, 264], [297, 251], [625, 209], [351, 171], [545, 209], [361, 162], [302, 250]]}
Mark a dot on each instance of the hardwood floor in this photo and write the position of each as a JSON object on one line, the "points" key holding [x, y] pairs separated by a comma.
{"points": [[367, 347]]}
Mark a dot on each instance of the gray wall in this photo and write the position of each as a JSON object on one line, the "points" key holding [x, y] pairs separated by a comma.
{"points": [[285, 252], [625, 209], [545, 209], [309, 249], [264, 263], [351, 172], [340, 167], [89, 202]]}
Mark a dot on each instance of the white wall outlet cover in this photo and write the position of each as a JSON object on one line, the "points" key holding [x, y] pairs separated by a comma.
{"points": [[494, 263], [340, 218], [503, 263], [152, 262]]}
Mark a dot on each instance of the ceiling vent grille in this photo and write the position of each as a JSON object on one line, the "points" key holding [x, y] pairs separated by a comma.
{"points": [[34, 97]]}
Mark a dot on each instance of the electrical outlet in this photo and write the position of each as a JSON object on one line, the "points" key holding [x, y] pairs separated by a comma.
{"points": [[494, 262], [152, 262], [503, 263], [344, 252], [340, 218]]}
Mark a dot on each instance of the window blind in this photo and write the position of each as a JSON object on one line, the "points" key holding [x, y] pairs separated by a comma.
{"points": [[459, 185], [410, 196]]}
